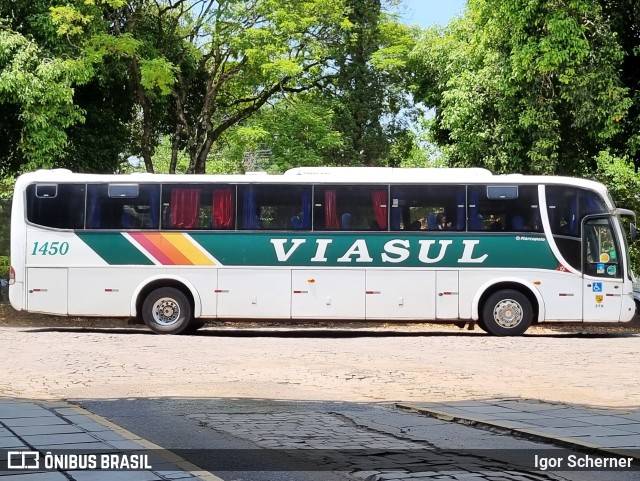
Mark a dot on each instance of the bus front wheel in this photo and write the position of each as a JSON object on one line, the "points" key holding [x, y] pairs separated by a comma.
{"points": [[166, 311], [507, 313]]}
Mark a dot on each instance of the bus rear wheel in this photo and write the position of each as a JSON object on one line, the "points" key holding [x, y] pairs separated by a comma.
{"points": [[507, 313], [166, 311]]}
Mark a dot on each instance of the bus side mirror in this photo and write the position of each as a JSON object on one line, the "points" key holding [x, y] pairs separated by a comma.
{"points": [[633, 232]]}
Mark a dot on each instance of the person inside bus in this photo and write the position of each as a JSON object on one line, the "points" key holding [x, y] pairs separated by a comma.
{"points": [[495, 223], [442, 221]]}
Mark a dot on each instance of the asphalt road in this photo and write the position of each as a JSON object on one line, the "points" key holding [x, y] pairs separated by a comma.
{"points": [[266, 440]]}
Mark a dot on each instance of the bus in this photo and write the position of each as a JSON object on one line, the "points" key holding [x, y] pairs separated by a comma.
{"points": [[339, 243]]}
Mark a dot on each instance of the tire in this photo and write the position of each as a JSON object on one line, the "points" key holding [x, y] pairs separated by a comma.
{"points": [[507, 313], [480, 324], [167, 311], [194, 326]]}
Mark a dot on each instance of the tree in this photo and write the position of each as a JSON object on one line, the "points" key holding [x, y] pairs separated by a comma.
{"points": [[36, 103], [527, 86], [292, 132], [370, 87], [57, 110], [623, 17], [204, 66]]}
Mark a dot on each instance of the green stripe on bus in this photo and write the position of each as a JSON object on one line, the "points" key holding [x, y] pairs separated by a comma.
{"points": [[378, 250], [114, 248], [348, 249]]}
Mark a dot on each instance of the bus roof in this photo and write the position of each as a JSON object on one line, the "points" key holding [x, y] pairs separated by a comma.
{"points": [[322, 175]]}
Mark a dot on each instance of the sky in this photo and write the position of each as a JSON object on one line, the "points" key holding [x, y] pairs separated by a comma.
{"points": [[429, 12]]}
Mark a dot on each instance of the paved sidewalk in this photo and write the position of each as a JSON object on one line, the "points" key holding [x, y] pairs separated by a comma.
{"points": [[61, 427], [606, 431]]}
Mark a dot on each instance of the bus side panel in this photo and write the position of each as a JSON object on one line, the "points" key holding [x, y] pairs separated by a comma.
{"points": [[47, 290], [475, 282], [205, 282], [400, 294], [109, 292], [328, 294], [254, 293], [447, 295], [468, 284], [562, 294], [103, 291]]}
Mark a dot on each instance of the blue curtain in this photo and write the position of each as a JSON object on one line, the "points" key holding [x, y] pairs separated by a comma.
{"points": [[475, 222], [396, 210], [154, 207], [250, 218], [93, 209], [305, 222]]}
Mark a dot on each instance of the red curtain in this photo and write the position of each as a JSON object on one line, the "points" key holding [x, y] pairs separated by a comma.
{"points": [[185, 207], [379, 201], [330, 211], [222, 208]]}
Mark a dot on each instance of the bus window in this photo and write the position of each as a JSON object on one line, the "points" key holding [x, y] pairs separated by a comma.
{"points": [[56, 205], [123, 206], [198, 206], [430, 207], [274, 207], [504, 208], [601, 252], [359, 207], [567, 206]]}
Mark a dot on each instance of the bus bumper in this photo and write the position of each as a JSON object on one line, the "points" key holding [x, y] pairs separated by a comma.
{"points": [[16, 296]]}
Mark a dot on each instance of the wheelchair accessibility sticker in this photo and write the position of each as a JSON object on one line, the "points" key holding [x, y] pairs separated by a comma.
{"points": [[597, 287]]}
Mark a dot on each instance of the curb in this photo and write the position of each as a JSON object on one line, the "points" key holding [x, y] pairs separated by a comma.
{"points": [[527, 433], [181, 463]]}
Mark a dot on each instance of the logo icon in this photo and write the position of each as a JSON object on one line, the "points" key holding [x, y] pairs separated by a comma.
{"points": [[597, 287], [23, 460]]}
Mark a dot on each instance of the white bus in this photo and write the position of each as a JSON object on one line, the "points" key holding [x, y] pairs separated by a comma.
{"points": [[377, 244]]}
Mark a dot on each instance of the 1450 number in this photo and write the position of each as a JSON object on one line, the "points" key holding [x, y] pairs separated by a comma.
{"points": [[50, 248]]}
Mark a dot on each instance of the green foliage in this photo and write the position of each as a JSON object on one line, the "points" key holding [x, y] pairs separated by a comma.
{"points": [[4, 267], [162, 158], [369, 90], [86, 84], [291, 133], [525, 86], [38, 93], [6, 191], [59, 108], [622, 180]]}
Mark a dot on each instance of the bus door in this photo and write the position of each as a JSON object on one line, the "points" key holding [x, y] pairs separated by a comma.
{"points": [[602, 270], [47, 290]]}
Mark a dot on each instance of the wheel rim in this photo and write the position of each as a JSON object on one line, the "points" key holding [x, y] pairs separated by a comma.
{"points": [[166, 311], [508, 313]]}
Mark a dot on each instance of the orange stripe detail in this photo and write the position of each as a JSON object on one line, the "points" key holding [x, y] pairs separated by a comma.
{"points": [[187, 248], [163, 242]]}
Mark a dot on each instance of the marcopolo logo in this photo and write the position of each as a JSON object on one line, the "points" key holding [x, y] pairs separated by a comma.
{"points": [[530, 239]]}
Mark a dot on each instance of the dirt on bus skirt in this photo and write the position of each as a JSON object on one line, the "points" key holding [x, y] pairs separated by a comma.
{"points": [[9, 317]]}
